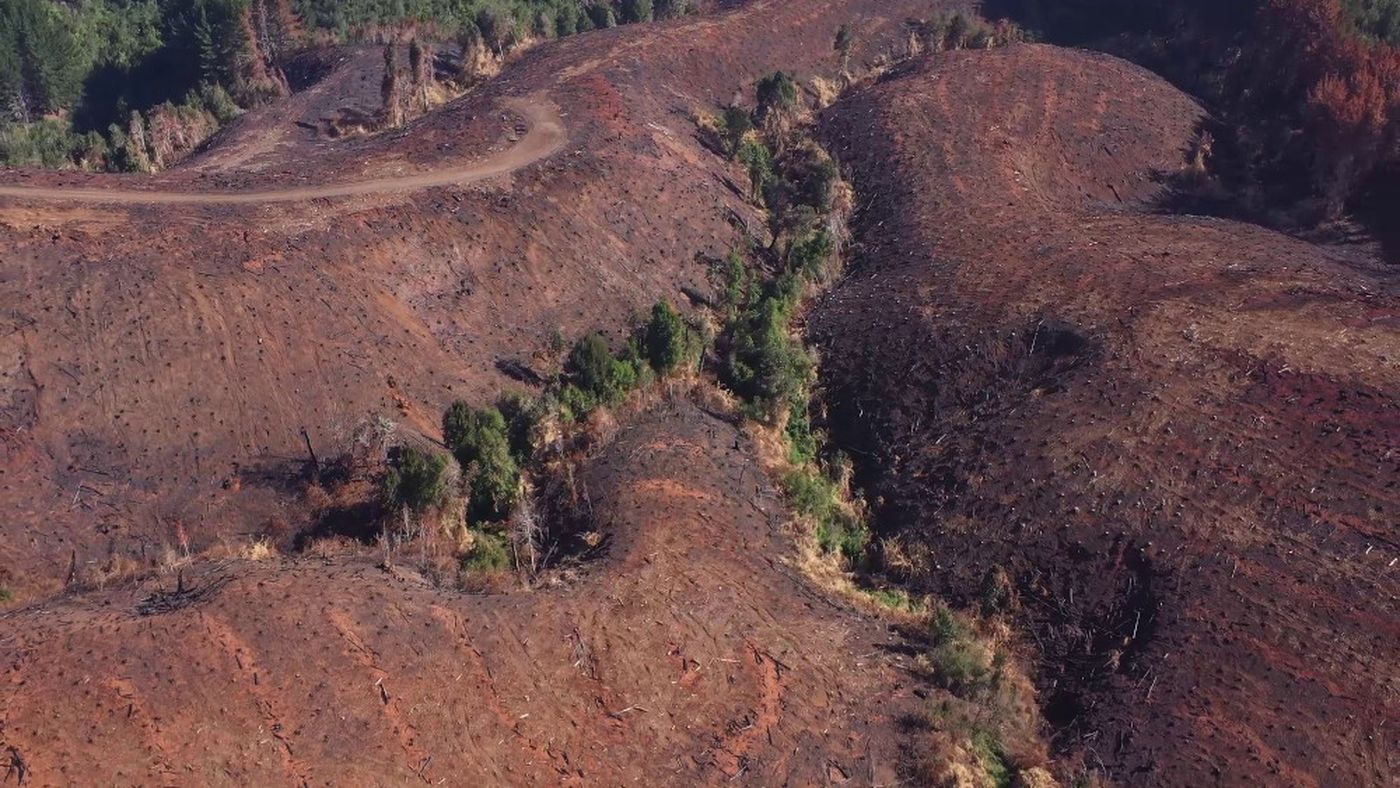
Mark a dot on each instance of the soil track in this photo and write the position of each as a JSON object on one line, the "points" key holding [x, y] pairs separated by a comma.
{"points": [[688, 654], [1180, 435], [545, 136]]}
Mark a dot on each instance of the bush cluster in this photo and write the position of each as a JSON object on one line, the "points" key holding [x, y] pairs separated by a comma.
{"points": [[762, 359], [415, 479], [480, 440]]}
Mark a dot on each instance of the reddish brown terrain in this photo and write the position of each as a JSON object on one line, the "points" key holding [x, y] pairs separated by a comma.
{"points": [[161, 360], [686, 654], [169, 337], [1178, 435]]}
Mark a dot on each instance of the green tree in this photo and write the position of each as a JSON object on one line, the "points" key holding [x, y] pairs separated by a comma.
{"points": [[777, 95], [636, 10], [669, 342], [416, 479], [479, 439], [737, 124], [845, 42], [764, 365], [41, 68]]}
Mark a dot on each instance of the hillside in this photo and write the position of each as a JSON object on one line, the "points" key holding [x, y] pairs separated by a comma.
{"points": [[967, 457], [1176, 434], [162, 360]]}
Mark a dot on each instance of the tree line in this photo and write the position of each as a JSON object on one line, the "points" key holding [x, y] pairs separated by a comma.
{"points": [[106, 84]]}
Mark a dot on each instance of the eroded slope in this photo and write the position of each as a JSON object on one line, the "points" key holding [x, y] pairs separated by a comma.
{"points": [[689, 653], [1179, 435], [159, 362]]}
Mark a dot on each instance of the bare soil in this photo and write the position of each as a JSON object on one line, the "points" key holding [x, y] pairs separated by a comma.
{"points": [[690, 653], [1179, 435], [158, 362]]}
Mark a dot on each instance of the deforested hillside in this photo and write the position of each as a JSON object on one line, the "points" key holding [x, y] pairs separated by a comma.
{"points": [[164, 356], [1176, 436], [685, 655]]}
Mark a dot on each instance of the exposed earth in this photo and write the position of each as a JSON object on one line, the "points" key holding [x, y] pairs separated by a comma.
{"points": [[1178, 436]]}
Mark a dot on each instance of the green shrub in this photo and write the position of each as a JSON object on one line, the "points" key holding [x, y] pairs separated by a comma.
{"points": [[737, 124], [490, 553], [813, 256], [802, 443], [961, 661], [416, 479], [592, 368], [480, 440], [819, 498], [49, 142], [575, 403], [669, 341], [986, 745], [996, 591], [961, 664], [777, 94]]}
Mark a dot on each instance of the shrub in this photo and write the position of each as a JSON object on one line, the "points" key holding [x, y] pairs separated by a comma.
{"points": [[801, 441], [812, 256], [737, 125], [764, 365], [777, 94], [415, 479], [817, 497], [575, 403], [593, 369], [996, 591], [669, 342], [962, 662], [480, 441], [49, 143], [490, 553]]}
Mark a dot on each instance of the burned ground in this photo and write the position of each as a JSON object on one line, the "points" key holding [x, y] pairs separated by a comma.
{"points": [[1177, 434]]}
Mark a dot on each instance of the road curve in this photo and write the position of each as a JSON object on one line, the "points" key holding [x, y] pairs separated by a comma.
{"points": [[546, 134]]}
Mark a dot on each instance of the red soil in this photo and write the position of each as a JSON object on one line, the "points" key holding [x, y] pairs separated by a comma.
{"points": [[688, 654], [158, 363], [1178, 434]]}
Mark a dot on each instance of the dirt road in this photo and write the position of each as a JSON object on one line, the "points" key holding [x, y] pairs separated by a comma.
{"points": [[546, 135]]}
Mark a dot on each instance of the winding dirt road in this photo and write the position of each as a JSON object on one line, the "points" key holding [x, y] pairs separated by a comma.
{"points": [[546, 134]]}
